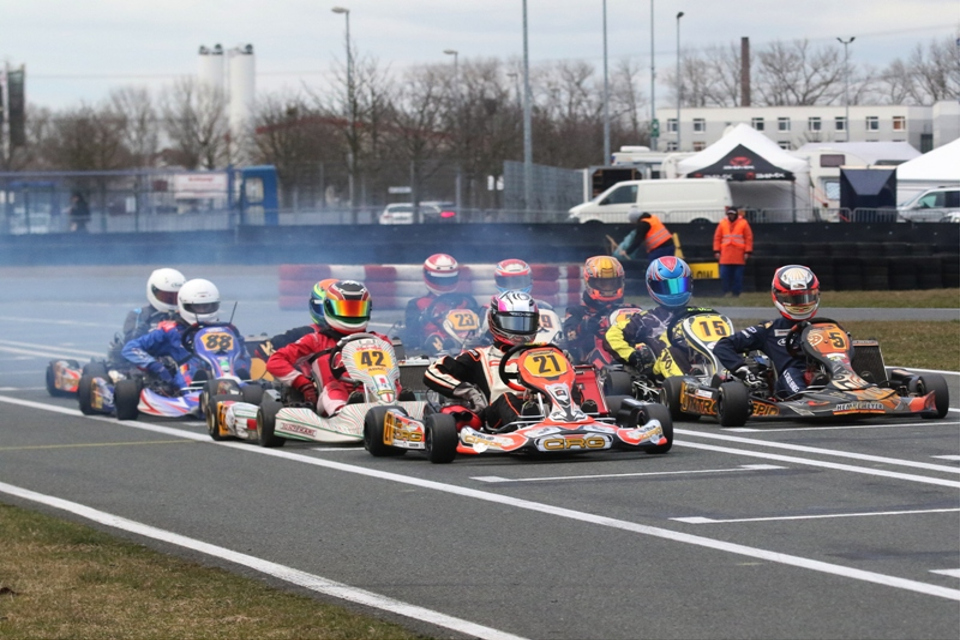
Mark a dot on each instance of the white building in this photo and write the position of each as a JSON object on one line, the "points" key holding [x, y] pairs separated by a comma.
{"points": [[791, 127]]}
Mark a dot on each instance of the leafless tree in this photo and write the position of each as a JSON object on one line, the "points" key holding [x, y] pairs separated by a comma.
{"points": [[85, 138], [140, 124], [195, 121], [797, 74], [627, 103], [929, 74]]}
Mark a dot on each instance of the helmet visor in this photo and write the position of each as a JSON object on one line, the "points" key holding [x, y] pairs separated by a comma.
{"points": [[447, 280], [607, 286], [514, 282], [799, 302], [520, 323], [671, 286], [166, 297], [347, 310], [201, 308]]}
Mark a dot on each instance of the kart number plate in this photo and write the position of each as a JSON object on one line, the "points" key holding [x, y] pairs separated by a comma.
{"points": [[709, 328], [368, 359], [218, 341], [545, 363], [463, 320]]}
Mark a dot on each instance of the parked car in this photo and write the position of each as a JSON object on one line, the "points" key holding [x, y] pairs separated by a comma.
{"points": [[933, 205], [431, 212], [679, 200]]}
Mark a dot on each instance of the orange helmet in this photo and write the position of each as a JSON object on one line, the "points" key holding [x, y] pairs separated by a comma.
{"points": [[603, 278]]}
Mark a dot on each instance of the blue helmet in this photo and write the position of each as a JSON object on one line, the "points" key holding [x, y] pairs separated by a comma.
{"points": [[670, 281]]}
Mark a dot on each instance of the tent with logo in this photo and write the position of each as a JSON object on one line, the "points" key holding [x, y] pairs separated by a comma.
{"points": [[936, 168], [760, 173]]}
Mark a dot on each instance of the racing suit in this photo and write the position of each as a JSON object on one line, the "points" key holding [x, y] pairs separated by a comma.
{"points": [[288, 364], [650, 328], [166, 341], [138, 322], [478, 368], [770, 338], [421, 332], [584, 324]]}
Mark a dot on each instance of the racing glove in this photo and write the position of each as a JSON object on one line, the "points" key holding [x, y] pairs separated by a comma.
{"points": [[749, 377], [642, 357], [157, 369], [471, 396], [307, 389]]}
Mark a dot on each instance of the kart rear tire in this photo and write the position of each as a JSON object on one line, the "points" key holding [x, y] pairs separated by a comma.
{"points": [[656, 411], [252, 394], [618, 383], [733, 404], [212, 416], [267, 422], [126, 399], [671, 397], [441, 438], [52, 381], [95, 369], [84, 391], [373, 434], [935, 382]]}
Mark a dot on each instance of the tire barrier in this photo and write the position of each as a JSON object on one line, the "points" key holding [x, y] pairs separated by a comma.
{"points": [[392, 286]]}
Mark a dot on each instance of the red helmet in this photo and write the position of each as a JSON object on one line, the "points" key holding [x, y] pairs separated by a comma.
{"points": [[603, 278], [796, 292], [441, 273], [513, 275], [346, 307]]}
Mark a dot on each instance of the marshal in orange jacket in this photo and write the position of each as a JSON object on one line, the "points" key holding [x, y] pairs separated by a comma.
{"points": [[733, 241]]}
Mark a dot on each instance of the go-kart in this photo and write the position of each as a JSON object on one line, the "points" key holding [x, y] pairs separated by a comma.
{"points": [[367, 359], [63, 375], [848, 380], [218, 353], [559, 424], [599, 355], [459, 323], [695, 334]]}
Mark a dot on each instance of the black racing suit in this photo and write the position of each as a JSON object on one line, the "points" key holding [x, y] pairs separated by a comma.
{"points": [[478, 367], [770, 338], [650, 328], [584, 324]]}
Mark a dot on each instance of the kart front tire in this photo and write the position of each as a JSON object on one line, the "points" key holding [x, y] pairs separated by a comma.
{"points": [[441, 438], [733, 404], [212, 416], [84, 391], [937, 383], [656, 411], [267, 422], [671, 397], [373, 424], [126, 399], [252, 393]]}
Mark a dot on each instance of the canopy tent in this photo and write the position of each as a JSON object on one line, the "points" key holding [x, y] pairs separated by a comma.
{"points": [[756, 168], [935, 168]]}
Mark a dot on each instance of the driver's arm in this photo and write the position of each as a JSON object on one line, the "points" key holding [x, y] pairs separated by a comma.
{"points": [[729, 349], [447, 373], [618, 335]]}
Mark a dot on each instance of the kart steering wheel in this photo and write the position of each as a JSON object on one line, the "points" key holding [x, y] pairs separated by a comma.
{"points": [[512, 378], [453, 300]]}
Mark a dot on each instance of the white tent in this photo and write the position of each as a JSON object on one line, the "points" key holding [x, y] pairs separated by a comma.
{"points": [[935, 168], [761, 174]]}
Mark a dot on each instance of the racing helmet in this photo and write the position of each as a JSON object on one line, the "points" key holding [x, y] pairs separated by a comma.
{"points": [[513, 317], [199, 301], [669, 281], [603, 279], [441, 273], [796, 292], [162, 288], [317, 296], [346, 307], [513, 275]]}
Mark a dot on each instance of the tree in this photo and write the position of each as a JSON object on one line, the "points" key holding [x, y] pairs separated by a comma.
{"points": [[796, 74], [139, 123], [195, 121], [927, 76]]}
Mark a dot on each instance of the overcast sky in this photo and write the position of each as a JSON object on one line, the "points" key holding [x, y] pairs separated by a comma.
{"points": [[77, 50]]}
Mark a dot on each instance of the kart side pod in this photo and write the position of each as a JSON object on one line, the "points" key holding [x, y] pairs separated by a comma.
{"points": [[629, 412]]}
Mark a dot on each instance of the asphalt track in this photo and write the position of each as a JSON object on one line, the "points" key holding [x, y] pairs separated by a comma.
{"points": [[783, 530]]}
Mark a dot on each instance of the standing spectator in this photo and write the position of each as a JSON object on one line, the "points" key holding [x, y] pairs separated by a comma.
{"points": [[79, 213], [732, 245], [651, 234]]}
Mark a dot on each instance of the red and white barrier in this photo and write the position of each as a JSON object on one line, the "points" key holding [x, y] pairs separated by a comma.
{"points": [[392, 286]]}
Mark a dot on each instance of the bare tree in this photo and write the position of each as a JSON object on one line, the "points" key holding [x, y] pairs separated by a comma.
{"points": [[85, 139], [796, 74], [141, 127], [927, 76], [195, 121], [627, 103]]}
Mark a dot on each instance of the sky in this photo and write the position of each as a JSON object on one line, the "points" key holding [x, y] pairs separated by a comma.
{"points": [[78, 50]]}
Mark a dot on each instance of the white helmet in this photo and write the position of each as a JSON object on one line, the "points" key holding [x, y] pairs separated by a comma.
{"points": [[162, 288], [199, 301]]}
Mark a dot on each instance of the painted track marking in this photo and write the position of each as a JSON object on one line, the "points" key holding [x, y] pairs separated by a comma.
{"points": [[702, 520], [743, 467]]}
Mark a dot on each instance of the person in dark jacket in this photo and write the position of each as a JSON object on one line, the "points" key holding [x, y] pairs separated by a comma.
{"points": [[79, 213], [651, 234]]}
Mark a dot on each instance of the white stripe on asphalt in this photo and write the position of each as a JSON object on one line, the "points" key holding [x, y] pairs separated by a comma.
{"points": [[847, 427], [953, 573], [287, 574], [518, 503], [743, 467], [702, 520]]}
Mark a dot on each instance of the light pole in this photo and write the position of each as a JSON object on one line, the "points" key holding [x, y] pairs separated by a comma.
{"points": [[351, 159], [679, 80], [527, 124], [846, 83], [653, 80], [606, 93], [456, 101]]}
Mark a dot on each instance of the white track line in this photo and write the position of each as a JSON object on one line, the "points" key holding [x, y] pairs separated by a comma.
{"points": [[537, 507], [743, 467], [702, 520]]}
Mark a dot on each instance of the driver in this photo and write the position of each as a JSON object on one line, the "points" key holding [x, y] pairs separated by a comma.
{"points": [[162, 288], [441, 275], [473, 377], [346, 310], [640, 339], [198, 303], [603, 280], [796, 295]]}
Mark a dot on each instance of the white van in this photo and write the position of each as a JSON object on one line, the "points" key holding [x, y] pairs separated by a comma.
{"points": [[680, 200]]}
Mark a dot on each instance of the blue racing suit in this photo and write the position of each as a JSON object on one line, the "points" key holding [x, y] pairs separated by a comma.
{"points": [[165, 340], [770, 338]]}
